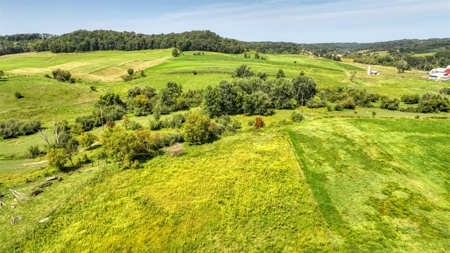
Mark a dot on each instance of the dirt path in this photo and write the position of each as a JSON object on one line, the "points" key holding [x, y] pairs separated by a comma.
{"points": [[35, 163]]}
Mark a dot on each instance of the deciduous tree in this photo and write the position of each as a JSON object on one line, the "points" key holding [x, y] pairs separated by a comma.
{"points": [[196, 128]]}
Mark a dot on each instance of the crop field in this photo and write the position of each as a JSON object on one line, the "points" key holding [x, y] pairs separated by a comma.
{"points": [[360, 180]]}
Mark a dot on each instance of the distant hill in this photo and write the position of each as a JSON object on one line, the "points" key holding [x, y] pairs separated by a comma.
{"points": [[83, 41]]}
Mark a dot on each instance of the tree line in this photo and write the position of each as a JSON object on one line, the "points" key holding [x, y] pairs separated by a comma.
{"points": [[86, 41], [403, 61]]}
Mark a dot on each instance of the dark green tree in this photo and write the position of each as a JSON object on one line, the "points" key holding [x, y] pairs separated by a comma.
{"points": [[282, 93], [402, 65], [262, 75], [130, 72], [304, 89], [243, 71], [280, 74], [175, 52], [110, 98], [231, 98], [211, 102], [169, 97], [257, 103]]}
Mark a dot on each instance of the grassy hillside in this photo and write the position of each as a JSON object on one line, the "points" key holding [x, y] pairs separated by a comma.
{"points": [[345, 181], [380, 184], [47, 99], [242, 193], [323, 185]]}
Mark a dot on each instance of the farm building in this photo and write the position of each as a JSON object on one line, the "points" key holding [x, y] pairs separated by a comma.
{"points": [[440, 74], [372, 72]]}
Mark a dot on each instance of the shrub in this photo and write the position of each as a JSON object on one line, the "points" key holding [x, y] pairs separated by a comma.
{"points": [[196, 128], [411, 99], [338, 107], [130, 72], [14, 128], [176, 121], [127, 78], [217, 129], [445, 91], [348, 103], [433, 103], [297, 116], [330, 107], [18, 95], [88, 122], [313, 103], [87, 139], [258, 123], [61, 75], [154, 124], [171, 138], [194, 72], [57, 157], [390, 104], [34, 151], [408, 109], [130, 124]]}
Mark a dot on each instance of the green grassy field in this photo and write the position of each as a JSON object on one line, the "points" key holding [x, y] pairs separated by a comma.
{"points": [[341, 181], [380, 184], [242, 193]]}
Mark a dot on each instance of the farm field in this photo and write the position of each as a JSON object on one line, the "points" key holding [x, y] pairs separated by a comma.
{"points": [[381, 184], [360, 180], [47, 99], [342, 186]]}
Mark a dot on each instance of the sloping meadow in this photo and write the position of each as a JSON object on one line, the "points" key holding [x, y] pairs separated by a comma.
{"points": [[381, 185], [242, 193]]}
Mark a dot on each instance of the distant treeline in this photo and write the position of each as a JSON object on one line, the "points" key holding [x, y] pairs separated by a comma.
{"points": [[85, 41], [396, 59]]}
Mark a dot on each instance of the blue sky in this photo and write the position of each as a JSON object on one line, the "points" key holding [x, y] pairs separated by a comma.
{"points": [[301, 21]]}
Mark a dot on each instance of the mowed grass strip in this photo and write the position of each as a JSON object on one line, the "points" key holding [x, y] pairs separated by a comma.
{"points": [[384, 182], [243, 193]]}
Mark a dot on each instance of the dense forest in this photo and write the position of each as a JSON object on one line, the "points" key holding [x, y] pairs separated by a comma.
{"points": [[83, 41]]}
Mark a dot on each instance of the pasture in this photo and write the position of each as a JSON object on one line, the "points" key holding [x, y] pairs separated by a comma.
{"points": [[340, 181]]}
